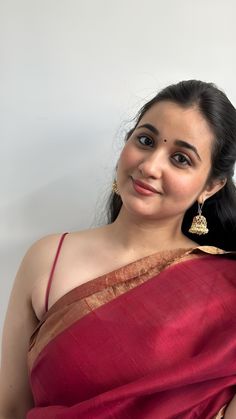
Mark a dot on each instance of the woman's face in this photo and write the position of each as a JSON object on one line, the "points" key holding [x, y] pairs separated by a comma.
{"points": [[170, 150]]}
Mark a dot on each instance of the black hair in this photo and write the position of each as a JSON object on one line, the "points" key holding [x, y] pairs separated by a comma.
{"points": [[218, 111]]}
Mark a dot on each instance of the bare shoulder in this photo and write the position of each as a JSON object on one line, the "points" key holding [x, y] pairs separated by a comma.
{"points": [[77, 245], [40, 253], [73, 265], [86, 240], [38, 259]]}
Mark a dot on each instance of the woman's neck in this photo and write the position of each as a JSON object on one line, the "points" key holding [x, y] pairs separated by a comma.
{"points": [[130, 234]]}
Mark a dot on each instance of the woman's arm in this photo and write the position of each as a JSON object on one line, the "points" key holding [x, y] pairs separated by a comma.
{"points": [[15, 394]]}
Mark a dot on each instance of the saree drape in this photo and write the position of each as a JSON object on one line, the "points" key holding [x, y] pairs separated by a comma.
{"points": [[153, 339]]}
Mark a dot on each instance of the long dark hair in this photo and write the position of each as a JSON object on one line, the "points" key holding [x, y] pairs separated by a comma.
{"points": [[220, 209]]}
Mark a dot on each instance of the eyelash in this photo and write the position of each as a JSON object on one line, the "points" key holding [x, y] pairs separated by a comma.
{"points": [[188, 162]]}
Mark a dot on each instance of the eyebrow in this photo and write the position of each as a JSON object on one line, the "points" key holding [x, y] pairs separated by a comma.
{"points": [[180, 143]]}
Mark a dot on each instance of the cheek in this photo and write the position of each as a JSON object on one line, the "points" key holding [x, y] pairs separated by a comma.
{"points": [[128, 157], [186, 187]]}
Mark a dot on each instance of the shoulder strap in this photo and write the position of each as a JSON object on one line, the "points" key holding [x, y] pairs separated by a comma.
{"points": [[52, 270]]}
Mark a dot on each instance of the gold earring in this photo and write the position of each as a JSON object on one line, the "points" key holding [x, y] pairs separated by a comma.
{"points": [[115, 188], [199, 223]]}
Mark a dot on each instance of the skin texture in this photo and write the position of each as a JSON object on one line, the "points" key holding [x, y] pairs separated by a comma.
{"points": [[176, 172], [164, 165], [145, 224], [231, 410]]}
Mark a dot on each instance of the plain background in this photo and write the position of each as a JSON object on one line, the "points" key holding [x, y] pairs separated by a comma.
{"points": [[73, 74]]}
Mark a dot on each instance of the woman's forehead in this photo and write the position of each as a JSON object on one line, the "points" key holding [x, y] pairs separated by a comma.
{"points": [[170, 119]]}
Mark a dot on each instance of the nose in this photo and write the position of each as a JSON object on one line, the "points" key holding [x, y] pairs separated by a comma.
{"points": [[152, 165]]}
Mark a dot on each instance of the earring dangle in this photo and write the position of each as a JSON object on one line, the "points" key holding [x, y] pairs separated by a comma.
{"points": [[199, 223], [115, 188]]}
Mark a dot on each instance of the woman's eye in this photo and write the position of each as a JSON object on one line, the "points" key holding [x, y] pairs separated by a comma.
{"points": [[146, 141], [182, 160]]}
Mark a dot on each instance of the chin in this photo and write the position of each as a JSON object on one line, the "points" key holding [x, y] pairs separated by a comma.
{"points": [[140, 212]]}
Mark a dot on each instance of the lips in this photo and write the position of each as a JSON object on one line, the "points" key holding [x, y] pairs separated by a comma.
{"points": [[145, 186]]}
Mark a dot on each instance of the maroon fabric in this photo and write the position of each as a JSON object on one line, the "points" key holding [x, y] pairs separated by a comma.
{"points": [[165, 349]]}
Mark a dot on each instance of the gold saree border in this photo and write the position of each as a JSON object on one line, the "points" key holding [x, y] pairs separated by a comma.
{"points": [[87, 297]]}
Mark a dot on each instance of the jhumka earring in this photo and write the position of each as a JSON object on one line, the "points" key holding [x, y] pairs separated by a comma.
{"points": [[199, 223], [115, 188]]}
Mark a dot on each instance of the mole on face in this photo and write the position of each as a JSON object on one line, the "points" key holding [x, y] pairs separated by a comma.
{"points": [[165, 140]]}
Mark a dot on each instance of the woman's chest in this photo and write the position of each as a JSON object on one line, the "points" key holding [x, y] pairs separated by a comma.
{"points": [[72, 273]]}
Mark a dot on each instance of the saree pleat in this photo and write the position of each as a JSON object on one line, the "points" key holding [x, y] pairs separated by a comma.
{"points": [[154, 339]]}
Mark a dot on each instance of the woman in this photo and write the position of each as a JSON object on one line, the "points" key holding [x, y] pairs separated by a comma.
{"points": [[136, 319]]}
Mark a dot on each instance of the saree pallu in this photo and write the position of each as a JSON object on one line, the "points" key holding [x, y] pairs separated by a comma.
{"points": [[155, 339]]}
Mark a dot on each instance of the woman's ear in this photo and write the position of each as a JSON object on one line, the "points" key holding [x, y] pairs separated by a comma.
{"points": [[212, 187]]}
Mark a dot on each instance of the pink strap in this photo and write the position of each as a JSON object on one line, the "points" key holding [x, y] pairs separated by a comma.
{"points": [[52, 270]]}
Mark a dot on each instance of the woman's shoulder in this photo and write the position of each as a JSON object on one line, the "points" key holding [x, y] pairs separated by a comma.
{"points": [[44, 248], [40, 253], [73, 256]]}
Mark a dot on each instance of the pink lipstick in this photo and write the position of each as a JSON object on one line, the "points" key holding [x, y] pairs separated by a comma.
{"points": [[143, 188]]}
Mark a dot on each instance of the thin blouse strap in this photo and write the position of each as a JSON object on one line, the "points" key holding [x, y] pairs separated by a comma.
{"points": [[52, 270]]}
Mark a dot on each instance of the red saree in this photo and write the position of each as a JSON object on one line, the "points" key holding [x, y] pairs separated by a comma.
{"points": [[152, 340]]}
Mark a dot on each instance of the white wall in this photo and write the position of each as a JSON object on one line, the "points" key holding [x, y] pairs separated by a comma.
{"points": [[72, 74]]}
